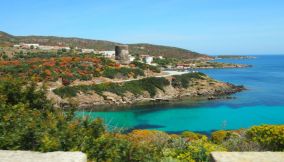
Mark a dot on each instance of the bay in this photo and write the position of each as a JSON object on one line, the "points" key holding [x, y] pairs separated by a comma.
{"points": [[261, 103]]}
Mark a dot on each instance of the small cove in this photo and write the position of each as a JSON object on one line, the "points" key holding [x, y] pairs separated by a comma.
{"points": [[262, 103]]}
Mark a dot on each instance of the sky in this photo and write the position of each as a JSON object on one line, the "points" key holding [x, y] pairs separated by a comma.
{"points": [[205, 26]]}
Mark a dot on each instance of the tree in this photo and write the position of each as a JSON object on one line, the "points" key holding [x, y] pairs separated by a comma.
{"points": [[5, 56], [64, 50]]}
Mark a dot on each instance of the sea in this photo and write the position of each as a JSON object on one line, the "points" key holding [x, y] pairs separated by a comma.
{"points": [[262, 103]]}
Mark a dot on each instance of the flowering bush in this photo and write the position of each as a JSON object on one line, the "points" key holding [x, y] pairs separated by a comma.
{"points": [[190, 136], [220, 136], [28, 121], [198, 150], [67, 67], [270, 137]]}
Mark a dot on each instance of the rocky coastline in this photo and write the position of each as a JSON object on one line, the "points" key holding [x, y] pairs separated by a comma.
{"points": [[227, 66], [206, 88]]}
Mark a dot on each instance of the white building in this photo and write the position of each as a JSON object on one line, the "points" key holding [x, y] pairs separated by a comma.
{"points": [[85, 50], [53, 47], [42, 47], [46, 47], [67, 48], [160, 57], [148, 59], [17, 46], [29, 45], [131, 58], [109, 54]]}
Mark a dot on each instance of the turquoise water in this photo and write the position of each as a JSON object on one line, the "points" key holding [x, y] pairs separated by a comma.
{"points": [[262, 103]]}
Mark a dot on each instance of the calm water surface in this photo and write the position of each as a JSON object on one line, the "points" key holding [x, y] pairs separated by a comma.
{"points": [[262, 103]]}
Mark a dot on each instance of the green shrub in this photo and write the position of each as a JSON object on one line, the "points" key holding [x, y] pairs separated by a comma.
{"points": [[191, 135], [163, 62], [198, 150], [107, 149], [110, 73], [66, 91], [136, 87], [28, 121], [270, 137], [154, 69], [122, 72], [150, 84], [144, 66], [183, 81], [240, 143], [220, 136]]}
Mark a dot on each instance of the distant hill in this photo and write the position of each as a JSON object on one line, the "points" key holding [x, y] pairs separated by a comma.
{"points": [[155, 50]]}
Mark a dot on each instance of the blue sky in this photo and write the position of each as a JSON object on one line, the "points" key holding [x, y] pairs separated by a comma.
{"points": [[206, 26]]}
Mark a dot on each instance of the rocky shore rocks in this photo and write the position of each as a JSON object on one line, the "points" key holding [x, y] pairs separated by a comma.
{"points": [[206, 88]]}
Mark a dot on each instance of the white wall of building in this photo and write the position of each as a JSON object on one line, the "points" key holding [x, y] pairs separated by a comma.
{"points": [[149, 59], [107, 53]]}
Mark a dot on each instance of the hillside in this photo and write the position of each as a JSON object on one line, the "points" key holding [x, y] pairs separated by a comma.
{"points": [[143, 91], [9, 40], [158, 50]]}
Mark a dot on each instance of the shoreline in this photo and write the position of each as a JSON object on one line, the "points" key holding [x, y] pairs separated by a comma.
{"points": [[175, 101], [232, 66], [204, 88]]}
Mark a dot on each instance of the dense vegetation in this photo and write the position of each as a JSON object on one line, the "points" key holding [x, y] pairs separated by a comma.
{"points": [[122, 72], [164, 62], [213, 65], [184, 81], [136, 87], [145, 66], [28, 121], [165, 51], [139, 49], [51, 67]]}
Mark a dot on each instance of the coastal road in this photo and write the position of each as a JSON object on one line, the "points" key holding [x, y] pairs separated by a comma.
{"points": [[169, 73]]}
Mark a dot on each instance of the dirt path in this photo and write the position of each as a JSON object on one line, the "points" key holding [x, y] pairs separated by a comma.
{"points": [[168, 74]]}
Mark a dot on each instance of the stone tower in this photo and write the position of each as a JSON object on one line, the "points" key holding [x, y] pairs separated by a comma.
{"points": [[122, 54]]}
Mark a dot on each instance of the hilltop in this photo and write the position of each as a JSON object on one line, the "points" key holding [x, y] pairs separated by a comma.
{"points": [[155, 50]]}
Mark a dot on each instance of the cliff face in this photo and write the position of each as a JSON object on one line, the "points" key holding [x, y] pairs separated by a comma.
{"points": [[198, 87]]}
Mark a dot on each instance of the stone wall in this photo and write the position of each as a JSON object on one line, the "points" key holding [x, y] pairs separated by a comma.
{"points": [[29, 156], [247, 157]]}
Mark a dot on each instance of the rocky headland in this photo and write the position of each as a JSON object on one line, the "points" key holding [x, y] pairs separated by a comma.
{"points": [[155, 89]]}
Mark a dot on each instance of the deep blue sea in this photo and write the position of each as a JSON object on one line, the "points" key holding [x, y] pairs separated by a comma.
{"points": [[262, 103]]}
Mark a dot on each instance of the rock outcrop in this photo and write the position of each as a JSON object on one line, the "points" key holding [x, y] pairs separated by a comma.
{"points": [[206, 88]]}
